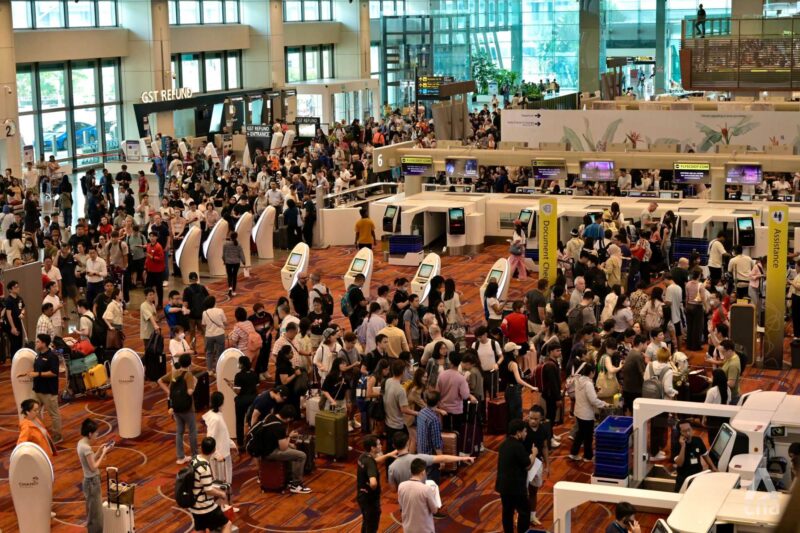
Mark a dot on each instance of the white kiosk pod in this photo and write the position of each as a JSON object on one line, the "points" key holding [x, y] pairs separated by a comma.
{"points": [[361, 264], [227, 367], [127, 384], [243, 229], [188, 254], [21, 363], [498, 272], [30, 478], [421, 283], [262, 233], [296, 263], [212, 249]]}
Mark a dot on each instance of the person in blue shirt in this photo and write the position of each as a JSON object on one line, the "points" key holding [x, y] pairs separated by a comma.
{"points": [[595, 229], [625, 522], [173, 312], [429, 432]]}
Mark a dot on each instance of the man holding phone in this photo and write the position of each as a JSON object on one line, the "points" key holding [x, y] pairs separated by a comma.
{"points": [[692, 458], [625, 520]]}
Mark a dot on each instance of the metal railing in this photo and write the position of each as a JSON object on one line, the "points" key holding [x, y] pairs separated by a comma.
{"points": [[355, 196]]}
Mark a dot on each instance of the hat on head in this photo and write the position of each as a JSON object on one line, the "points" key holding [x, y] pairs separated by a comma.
{"points": [[574, 232], [327, 333], [511, 346]]}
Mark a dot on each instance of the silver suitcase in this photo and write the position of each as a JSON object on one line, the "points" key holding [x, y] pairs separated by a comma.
{"points": [[312, 408], [116, 518]]}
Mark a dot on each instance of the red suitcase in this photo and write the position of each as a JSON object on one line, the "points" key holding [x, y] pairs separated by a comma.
{"points": [[497, 420], [450, 447], [272, 475]]}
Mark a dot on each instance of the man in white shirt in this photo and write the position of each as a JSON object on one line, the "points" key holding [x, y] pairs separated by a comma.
{"points": [[275, 196], [30, 177], [574, 246], [318, 289], [192, 215], [673, 295], [715, 252], [648, 214], [155, 145], [52, 272], [624, 181], [739, 267], [577, 292], [436, 336], [96, 273]]}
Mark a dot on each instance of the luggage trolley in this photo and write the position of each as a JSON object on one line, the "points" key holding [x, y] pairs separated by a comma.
{"points": [[84, 377]]}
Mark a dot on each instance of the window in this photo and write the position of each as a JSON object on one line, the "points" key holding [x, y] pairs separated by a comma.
{"points": [[207, 71], [306, 63], [71, 110], [378, 8], [203, 12], [32, 14], [307, 10]]}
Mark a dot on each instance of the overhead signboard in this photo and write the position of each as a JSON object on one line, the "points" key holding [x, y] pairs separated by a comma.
{"points": [[166, 95], [687, 172], [417, 165], [428, 86]]}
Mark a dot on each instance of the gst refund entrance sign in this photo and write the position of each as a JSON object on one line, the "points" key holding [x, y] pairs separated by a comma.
{"points": [[166, 95]]}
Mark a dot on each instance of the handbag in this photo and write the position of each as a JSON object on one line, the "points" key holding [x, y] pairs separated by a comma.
{"points": [[119, 492], [376, 410], [114, 339], [607, 384], [300, 385]]}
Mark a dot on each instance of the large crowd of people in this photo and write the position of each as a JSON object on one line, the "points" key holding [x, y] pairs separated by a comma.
{"points": [[408, 374]]}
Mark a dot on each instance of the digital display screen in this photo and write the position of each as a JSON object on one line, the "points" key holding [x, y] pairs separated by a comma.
{"points": [[661, 527], [417, 166], [256, 106], [428, 86], [597, 171], [721, 442], [690, 172], [549, 169], [216, 117], [669, 195], [358, 265], [745, 224], [390, 211], [743, 173], [461, 167], [745, 197], [306, 130], [425, 271], [495, 275], [456, 216], [294, 259], [525, 216]]}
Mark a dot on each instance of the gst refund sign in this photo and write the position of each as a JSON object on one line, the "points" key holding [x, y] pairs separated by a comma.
{"points": [[166, 95]]}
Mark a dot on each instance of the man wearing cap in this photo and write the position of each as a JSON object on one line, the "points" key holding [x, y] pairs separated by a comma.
{"points": [[267, 403], [574, 246]]}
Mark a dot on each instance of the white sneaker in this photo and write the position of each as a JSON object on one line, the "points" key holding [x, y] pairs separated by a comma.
{"points": [[660, 456], [356, 424], [350, 426], [165, 284], [555, 443], [573, 457]]}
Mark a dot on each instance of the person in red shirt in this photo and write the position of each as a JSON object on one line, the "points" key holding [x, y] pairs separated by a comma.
{"points": [[154, 266], [515, 327]]}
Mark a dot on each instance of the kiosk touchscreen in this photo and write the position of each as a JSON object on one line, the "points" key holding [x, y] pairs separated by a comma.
{"points": [[727, 444], [188, 254], [390, 218], [421, 283], [528, 219], [746, 231], [499, 273], [456, 221], [262, 233], [227, 367], [212, 248], [127, 384], [296, 263], [22, 387], [243, 229], [661, 527], [30, 478], [361, 264]]}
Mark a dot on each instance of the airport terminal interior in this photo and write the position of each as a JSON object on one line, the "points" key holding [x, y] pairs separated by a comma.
{"points": [[399, 265]]}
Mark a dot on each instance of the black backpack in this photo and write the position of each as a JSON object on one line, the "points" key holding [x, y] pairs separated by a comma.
{"points": [[99, 330], [327, 301], [184, 486], [254, 441], [179, 397]]}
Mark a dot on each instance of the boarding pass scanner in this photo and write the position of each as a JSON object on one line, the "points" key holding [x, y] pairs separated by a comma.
{"points": [[296, 263], [262, 233], [361, 264], [212, 248], [421, 283], [500, 273]]}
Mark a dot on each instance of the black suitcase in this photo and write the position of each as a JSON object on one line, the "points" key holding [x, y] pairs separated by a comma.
{"points": [[795, 353], [201, 391], [76, 384], [155, 362], [280, 237], [307, 445]]}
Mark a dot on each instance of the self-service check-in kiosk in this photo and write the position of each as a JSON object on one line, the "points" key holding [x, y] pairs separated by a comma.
{"points": [[745, 231], [499, 273], [30, 478], [243, 230], [296, 263], [421, 283], [212, 248], [391, 219], [262, 233], [361, 264], [127, 384], [227, 367], [456, 221], [188, 253], [22, 387]]}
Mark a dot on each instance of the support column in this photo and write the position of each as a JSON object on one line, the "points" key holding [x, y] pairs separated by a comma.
{"points": [[263, 62], [661, 47], [10, 146], [590, 46], [350, 61], [148, 65]]}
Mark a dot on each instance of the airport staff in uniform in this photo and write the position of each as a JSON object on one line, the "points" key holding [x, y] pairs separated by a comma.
{"points": [[691, 458]]}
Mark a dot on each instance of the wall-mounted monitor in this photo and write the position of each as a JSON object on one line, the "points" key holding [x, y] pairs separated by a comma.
{"points": [[597, 171], [294, 259], [549, 169], [417, 165], [455, 216], [461, 166], [687, 172], [425, 271], [743, 173], [358, 265], [217, 116]]}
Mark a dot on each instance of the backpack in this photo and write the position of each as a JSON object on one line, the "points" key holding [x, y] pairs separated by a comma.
{"points": [[602, 251], [575, 318], [572, 379], [254, 343], [254, 443], [184, 486], [344, 303], [654, 387], [537, 380], [179, 397], [98, 336], [195, 296], [361, 332], [327, 301]]}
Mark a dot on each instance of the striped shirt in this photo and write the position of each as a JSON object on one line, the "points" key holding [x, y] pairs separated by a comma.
{"points": [[204, 503], [429, 432]]}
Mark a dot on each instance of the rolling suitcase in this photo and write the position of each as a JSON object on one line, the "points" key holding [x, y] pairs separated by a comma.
{"points": [[116, 518], [331, 433], [76, 384], [96, 377], [312, 408], [272, 475], [497, 419], [450, 447], [307, 444], [201, 393], [472, 434], [155, 362]]}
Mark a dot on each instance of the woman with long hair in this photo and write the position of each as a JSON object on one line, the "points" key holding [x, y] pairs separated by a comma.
{"points": [[717, 393], [415, 391], [233, 257], [437, 364], [241, 332], [493, 307], [222, 463], [653, 310], [213, 321], [452, 305], [510, 374], [610, 302], [374, 393], [622, 315], [516, 256], [245, 386], [586, 401]]}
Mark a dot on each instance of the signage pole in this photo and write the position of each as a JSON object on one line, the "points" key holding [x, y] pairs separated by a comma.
{"points": [[548, 239], [775, 304]]}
